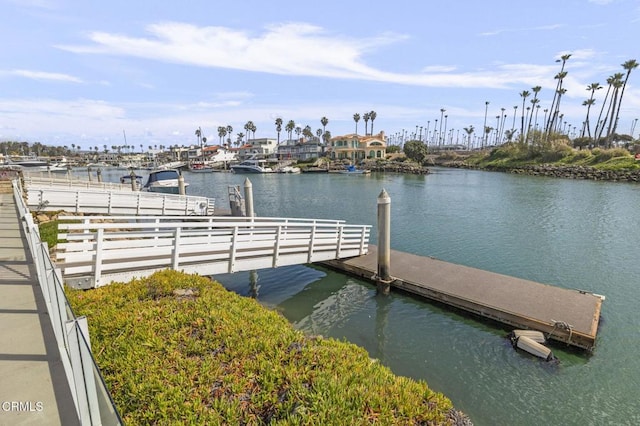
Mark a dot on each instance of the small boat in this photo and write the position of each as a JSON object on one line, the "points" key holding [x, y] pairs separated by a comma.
{"points": [[352, 170], [289, 169], [527, 341], [536, 336], [251, 165], [200, 168], [164, 181]]}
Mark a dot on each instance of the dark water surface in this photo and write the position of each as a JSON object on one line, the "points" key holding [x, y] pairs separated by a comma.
{"points": [[573, 234]]}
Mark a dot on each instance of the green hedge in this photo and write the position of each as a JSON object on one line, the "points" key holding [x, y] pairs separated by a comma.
{"points": [[180, 349]]}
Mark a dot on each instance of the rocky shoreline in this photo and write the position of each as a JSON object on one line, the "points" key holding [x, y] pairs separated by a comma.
{"points": [[397, 167], [565, 172]]}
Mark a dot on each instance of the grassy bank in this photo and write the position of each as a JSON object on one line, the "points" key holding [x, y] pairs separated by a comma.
{"points": [[515, 155], [180, 349]]}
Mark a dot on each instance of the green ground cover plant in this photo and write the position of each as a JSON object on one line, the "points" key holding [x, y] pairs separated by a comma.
{"points": [[180, 349]]}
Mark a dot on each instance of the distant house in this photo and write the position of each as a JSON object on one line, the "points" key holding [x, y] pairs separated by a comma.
{"points": [[300, 150], [357, 147]]}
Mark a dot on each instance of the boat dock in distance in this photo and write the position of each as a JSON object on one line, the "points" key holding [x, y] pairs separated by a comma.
{"points": [[564, 315]]}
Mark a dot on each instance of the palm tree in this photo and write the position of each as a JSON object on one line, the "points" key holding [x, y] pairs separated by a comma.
{"points": [[589, 103], [469, 131], [554, 108], [356, 118], [372, 115], [600, 124], [629, 65], [278, 128], [222, 132], [291, 125], [486, 109], [247, 128], [617, 84], [525, 94], [366, 118], [298, 130], [534, 102], [324, 121], [229, 132]]}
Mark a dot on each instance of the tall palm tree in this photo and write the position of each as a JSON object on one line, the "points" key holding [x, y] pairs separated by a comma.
{"points": [[356, 118], [469, 131], [247, 128], [524, 94], [534, 102], [628, 65], [229, 133], [278, 128], [372, 116], [617, 84], [589, 103], [324, 121], [553, 110], [366, 118], [291, 125], [614, 83], [298, 130], [222, 132]]}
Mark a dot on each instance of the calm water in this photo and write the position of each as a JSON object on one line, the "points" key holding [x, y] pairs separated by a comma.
{"points": [[574, 234]]}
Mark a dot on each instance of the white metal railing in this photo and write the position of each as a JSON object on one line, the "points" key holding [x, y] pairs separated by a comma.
{"points": [[92, 400], [68, 181], [41, 197], [99, 249]]}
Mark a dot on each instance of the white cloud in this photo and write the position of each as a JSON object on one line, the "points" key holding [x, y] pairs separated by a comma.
{"points": [[514, 30], [42, 75], [285, 49]]}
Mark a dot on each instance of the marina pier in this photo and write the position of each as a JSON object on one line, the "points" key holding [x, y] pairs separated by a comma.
{"points": [[565, 315]]}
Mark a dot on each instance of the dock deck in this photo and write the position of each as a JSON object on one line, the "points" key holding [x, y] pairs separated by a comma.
{"points": [[569, 316]]}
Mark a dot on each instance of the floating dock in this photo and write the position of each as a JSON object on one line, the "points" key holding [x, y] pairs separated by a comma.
{"points": [[564, 315]]}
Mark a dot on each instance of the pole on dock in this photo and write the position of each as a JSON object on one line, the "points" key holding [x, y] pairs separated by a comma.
{"points": [[89, 172], [383, 278], [181, 188], [248, 198], [134, 182], [99, 173]]}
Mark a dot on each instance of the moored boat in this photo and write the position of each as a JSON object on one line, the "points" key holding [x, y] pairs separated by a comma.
{"points": [[164, 181], [251, 165]]}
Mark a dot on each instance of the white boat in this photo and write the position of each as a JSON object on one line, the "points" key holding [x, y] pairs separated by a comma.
{"points": [[36, 165], [164, 181], [289, 169], [536, 336], [251, 165]]}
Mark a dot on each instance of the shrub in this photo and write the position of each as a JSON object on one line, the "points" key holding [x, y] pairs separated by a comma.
{"points": [[603, 155], [204, 355]]}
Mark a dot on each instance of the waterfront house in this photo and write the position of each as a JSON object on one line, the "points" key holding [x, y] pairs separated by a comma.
{"points": [[356, 147], [300, 150]]}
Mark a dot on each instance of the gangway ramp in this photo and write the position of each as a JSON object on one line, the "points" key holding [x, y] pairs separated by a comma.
{"points": [[97, 250], [113, 200]]}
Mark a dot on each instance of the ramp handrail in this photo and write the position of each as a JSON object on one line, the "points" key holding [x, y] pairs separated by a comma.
{"points": [[88, 200], [72, 182], [106, 246], [92, 400]]}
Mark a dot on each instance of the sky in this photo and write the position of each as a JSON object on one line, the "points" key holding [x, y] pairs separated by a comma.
{"points": [[93, 73]]}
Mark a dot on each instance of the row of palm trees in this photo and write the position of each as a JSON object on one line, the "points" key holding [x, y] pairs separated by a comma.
{"points": [[604, 132], [225, 132]]}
